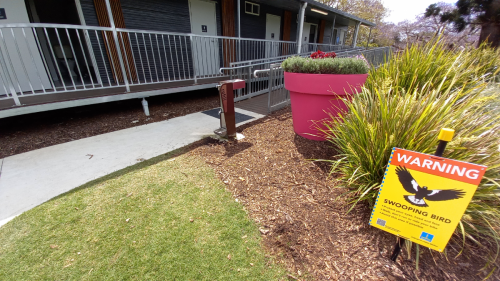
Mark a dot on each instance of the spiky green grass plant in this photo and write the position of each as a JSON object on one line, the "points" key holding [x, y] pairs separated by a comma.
{"points": [[379, 121], [405, 104], [433, 64]]}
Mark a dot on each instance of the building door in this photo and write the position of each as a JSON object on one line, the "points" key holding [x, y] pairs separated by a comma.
{"points": [[205, 49], [313, 34], [305, 37], [20, 55], [273, 28], [309, 33], [340, 37]]}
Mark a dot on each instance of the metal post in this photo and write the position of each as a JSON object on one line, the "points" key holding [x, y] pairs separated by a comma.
{"points": [[239, 18], [332, 42], [115, 37], [369, 35], [195, 68], [301, 26], [239, 28], [270, 84], [355, 35], [145, 106]]}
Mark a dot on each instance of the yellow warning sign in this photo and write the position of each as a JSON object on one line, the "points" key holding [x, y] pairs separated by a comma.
{"points": [[423, 197]]}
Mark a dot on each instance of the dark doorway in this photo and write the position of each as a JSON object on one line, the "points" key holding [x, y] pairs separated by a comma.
{"points": [[312, 33]]}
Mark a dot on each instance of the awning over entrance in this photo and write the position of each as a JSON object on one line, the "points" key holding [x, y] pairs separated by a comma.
{"points": [[341, 18]]}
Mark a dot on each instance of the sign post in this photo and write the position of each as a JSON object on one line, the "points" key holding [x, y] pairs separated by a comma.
{"points": [[423, 197], [227, 113]]}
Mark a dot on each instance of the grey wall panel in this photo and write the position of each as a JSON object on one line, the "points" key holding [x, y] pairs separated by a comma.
{"points": [[89, 13], [158, 15], [253, 26], [159, 58]]}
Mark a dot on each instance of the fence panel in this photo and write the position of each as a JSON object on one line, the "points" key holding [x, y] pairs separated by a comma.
{"points": [[40, 59]]}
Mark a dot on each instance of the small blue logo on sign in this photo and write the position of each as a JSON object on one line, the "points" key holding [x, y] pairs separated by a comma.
{"points": [[426, 236]]}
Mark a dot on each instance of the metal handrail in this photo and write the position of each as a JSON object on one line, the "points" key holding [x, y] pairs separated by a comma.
{"points": [[68, 58], [281, 58], [52, 25]]}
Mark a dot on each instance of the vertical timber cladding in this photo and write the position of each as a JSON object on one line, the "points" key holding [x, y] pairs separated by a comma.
{"points": [[287, 28], [111, 50], [321, 34], [228, 30]]}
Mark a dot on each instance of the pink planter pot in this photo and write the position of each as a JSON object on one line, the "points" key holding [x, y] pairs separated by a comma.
{"points": [[313, 94]]}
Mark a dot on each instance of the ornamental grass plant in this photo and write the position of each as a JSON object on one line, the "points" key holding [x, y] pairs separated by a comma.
{"points": [[434, 63], [404, 104], [325, 65]]}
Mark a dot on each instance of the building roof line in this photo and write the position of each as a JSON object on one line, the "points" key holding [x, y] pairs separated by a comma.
{"points": [[338, 12]]}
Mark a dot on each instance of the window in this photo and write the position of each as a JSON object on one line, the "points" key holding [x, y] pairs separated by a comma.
{"points": [[252, 8]]}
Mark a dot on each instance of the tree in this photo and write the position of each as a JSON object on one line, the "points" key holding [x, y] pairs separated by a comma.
{"points": [[370, 10], [388, 35], [472, 13], [423, 29]]}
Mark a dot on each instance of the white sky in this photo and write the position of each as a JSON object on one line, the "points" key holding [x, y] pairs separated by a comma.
{"points": [[401, 10]]}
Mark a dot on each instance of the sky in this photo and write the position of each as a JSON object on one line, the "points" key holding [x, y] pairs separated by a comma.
{"points": [[401, 10]]}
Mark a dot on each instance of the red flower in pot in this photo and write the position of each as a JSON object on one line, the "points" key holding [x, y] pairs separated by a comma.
{"points": [[322, 55]]}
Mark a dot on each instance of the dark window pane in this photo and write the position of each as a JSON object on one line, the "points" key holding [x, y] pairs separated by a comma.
{"points": [[256, 9], [248, 7]]}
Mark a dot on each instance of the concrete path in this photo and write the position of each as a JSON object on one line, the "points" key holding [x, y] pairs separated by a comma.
{"points": [[31, 178]]}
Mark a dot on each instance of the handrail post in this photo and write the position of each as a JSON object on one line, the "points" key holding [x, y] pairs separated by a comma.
{"points": [[270, 84], [115, 37], [195, 68], [301, 26]]}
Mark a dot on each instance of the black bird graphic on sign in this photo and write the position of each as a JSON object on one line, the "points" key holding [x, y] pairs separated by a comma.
{"points": [[421, 193]]}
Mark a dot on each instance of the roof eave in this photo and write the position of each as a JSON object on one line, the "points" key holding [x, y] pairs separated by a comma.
{"points": [[336, 11]]}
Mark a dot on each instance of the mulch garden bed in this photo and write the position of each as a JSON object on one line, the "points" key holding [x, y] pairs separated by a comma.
{"points": [[303, 214], [24, 133]]}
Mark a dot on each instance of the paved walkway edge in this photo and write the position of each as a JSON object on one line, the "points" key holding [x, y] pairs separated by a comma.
{"points": [[32, 178]]}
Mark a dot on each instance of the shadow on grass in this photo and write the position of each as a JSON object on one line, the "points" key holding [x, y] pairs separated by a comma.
{"points": [[144, 164]]}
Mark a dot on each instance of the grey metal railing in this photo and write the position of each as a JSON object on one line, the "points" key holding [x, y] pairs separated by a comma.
{"points": [[45, 58], [313, 47], [259, 85], [39, 59], [279, 97]]}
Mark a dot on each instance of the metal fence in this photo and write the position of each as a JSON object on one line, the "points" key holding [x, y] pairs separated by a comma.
{"points": [[39, 59], [273, 76], [257, 85]]}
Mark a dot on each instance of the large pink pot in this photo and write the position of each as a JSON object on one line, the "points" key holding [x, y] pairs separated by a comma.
{"points": [[313, 94]]}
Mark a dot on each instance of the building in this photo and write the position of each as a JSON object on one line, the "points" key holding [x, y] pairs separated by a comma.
{"points": [[64, 53]]}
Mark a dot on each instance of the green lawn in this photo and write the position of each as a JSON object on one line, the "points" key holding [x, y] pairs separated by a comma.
{"points": [[169, 219]]}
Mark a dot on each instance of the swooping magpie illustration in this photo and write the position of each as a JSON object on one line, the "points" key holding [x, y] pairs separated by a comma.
{"points": [[422, 193]]}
